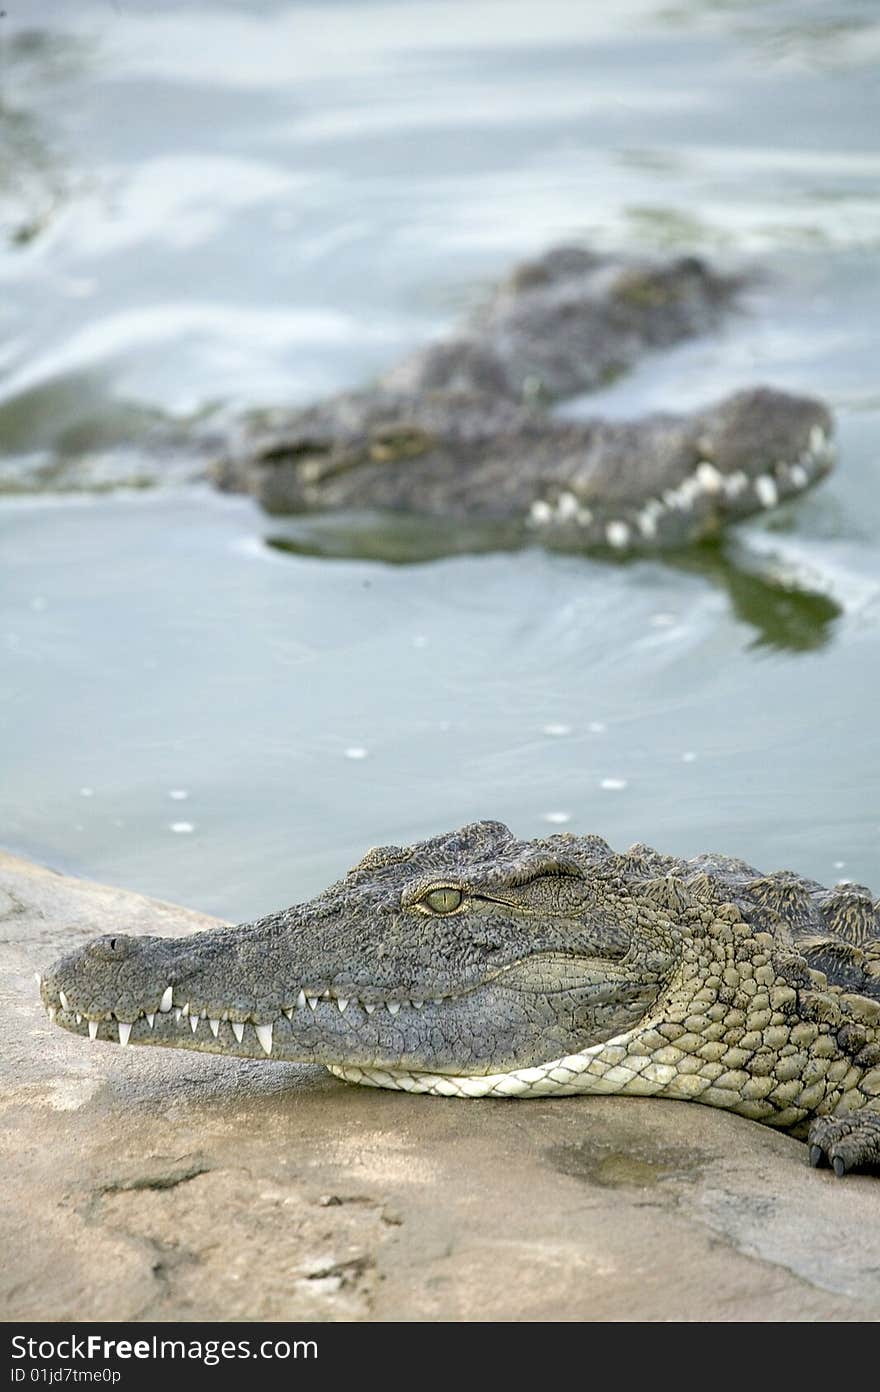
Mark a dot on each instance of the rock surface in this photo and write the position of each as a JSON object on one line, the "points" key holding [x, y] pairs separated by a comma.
{"points": [[149, 1184]]}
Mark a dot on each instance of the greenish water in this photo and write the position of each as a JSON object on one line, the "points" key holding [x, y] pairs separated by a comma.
{"points": [[204, 207]]}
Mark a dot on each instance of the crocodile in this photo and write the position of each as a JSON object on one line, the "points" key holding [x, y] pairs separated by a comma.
{"points": [[460, 430], [474, 965]]}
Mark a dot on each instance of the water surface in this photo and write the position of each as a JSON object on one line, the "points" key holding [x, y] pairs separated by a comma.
{"points": [[204, 207]]}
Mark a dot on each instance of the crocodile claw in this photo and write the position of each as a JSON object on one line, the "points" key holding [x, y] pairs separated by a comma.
{"points": [[846, 1143]]}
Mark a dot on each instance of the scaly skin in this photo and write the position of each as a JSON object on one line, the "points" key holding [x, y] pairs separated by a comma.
{"points": [[661, 482], [477, 965], [567, 322], [460, 430]]}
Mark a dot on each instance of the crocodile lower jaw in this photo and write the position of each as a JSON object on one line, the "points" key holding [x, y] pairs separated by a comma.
{"points": [[605, 1067]]}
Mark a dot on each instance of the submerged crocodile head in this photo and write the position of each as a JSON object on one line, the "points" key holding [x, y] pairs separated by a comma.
{"points": [[471, 953], [459, 432]]}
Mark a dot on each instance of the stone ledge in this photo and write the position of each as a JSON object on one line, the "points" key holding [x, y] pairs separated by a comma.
{"points": [[342, 1203]]}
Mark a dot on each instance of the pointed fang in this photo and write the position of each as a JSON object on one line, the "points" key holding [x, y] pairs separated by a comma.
{"points": [[238, 1029], [79, 1018], [38, 978], [368, 1007], [301, 999], [165, 1002], [93, 1029], [215, 1027], [51, 1012], [193, 1023], [151, 1019], [63, 1000], [341, 1003], [177, 1014], [124, 1032], [264, 1034], [313, 1001], [393, 1007]]}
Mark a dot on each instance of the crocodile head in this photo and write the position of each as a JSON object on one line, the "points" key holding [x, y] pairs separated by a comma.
{"points": [[664, 481], [468, 954]]}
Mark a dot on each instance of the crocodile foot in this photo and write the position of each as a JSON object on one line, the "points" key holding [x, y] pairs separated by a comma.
{"points": [[846, 1143]]}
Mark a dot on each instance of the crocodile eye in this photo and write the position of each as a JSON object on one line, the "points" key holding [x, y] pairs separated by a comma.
{"points": [[444, 900]]}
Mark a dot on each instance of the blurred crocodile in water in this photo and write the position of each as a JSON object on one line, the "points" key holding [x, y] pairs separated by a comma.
{"points": [[461, 431], [477, 965]]}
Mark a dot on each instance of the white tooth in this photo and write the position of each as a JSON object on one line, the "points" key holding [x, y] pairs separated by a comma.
{"points": [[165, 1002], [368, 1007], [185, 1009], [418, 1004], [617, 534], [301, 999], [567, 506], [798, 475], [79, 1018], [735, 483], [692, 488], [540, 512], [393, 1007], [647, 524], [288, 1013], [341, 1003], [93, 1029], [150, 1019], [768, 493], [264, 1034], [313, 1001], [215, 1027], [124, 1032], [51, 1012], [437, 1000], [38, 978], [194, 1023], [818, 440], [708, 476], [238, 1029], [177, 1014], [63, 1000]]}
